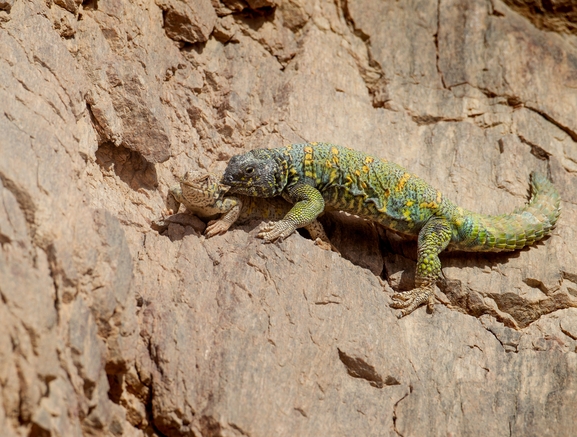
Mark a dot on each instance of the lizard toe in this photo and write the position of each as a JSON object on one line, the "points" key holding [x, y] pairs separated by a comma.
{"points": [[411, 300], [275, 231], [216, 227]]}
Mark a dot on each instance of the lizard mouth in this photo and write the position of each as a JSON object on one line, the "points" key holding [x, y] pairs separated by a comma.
{"points": [[227, 180]]}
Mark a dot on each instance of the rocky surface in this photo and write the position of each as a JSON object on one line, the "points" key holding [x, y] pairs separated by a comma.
{"points": [[110, 328]]}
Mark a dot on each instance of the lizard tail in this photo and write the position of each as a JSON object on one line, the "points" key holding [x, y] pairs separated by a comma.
{"points": [[524, 226]]}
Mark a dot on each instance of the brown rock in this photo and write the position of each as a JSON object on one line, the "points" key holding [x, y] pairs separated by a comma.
{"points": [[110, 328], [6, 5], [556, 15], [188, 21], [257, 4], [69, 5]]}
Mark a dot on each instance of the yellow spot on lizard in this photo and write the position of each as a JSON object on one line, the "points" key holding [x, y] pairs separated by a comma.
{"points": [[335, 151], [369, 159], [431, 205], [308, 163], [365, 169], [410, 202], [403, 181]]}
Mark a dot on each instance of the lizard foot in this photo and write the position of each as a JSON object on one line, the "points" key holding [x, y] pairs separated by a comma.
{"points": [[216, 227], [274, 231], [409, 301]]}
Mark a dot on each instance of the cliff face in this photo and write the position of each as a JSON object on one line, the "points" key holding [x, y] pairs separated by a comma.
{"points": [[110, 328]]}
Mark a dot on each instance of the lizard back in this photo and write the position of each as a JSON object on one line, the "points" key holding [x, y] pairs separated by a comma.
{"points": [[360, 184]]}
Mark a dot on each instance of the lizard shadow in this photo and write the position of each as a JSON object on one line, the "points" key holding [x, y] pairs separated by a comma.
{"points": [[400, 258], [390, 256]]}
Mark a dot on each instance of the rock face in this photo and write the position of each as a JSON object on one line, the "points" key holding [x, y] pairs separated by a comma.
{"points": [[110, 328]]}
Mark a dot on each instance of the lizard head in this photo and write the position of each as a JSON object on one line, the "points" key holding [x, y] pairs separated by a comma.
{"points": [[256, 173], [201, 188]]}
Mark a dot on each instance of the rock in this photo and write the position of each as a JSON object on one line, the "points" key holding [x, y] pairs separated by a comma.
{"points": [[258, 4], [116, 323], [6, 5], [69, 5], [188, 21], [124, 97], [557, 15]]}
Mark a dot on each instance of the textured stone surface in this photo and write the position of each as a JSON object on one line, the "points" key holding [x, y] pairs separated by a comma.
{"points": [[110, 328], [556, 15], [6, 5], [188, 21]]}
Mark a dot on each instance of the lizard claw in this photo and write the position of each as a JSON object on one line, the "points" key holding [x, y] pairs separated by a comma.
{"points": [[216, 227], [409, 301], [276, 231]]}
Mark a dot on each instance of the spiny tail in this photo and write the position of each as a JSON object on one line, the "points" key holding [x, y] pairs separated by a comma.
{"points": [[522, 227]]}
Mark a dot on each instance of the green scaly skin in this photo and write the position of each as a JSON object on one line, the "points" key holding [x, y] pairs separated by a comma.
{"points": [[203, 195], [313, 176]]}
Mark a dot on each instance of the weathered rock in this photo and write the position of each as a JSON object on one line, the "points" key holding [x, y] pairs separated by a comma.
{"points": [[556, 15], [69, 5], [125, 96], [6, 5], [188, 21], [112, 328]]}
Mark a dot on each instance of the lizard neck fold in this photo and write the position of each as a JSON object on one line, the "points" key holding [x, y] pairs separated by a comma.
{"points": [[281, 176]]}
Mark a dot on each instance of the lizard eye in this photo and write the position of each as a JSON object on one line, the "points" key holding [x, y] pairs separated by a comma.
{"points": [[249, 170]]}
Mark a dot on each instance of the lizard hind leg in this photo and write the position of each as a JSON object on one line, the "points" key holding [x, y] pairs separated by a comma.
{"points": [[319, 236], [433, 239]]}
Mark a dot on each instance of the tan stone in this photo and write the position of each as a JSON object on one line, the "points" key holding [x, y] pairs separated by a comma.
{"points": [[110, 328], [188, 21]]}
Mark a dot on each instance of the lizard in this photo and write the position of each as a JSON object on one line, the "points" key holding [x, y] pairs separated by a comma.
{"points": [[313, 176], [203, 195]]}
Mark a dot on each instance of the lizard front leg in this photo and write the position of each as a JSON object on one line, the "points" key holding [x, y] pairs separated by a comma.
{"points": [[232, 207], [433, 239], [308, 204]]}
